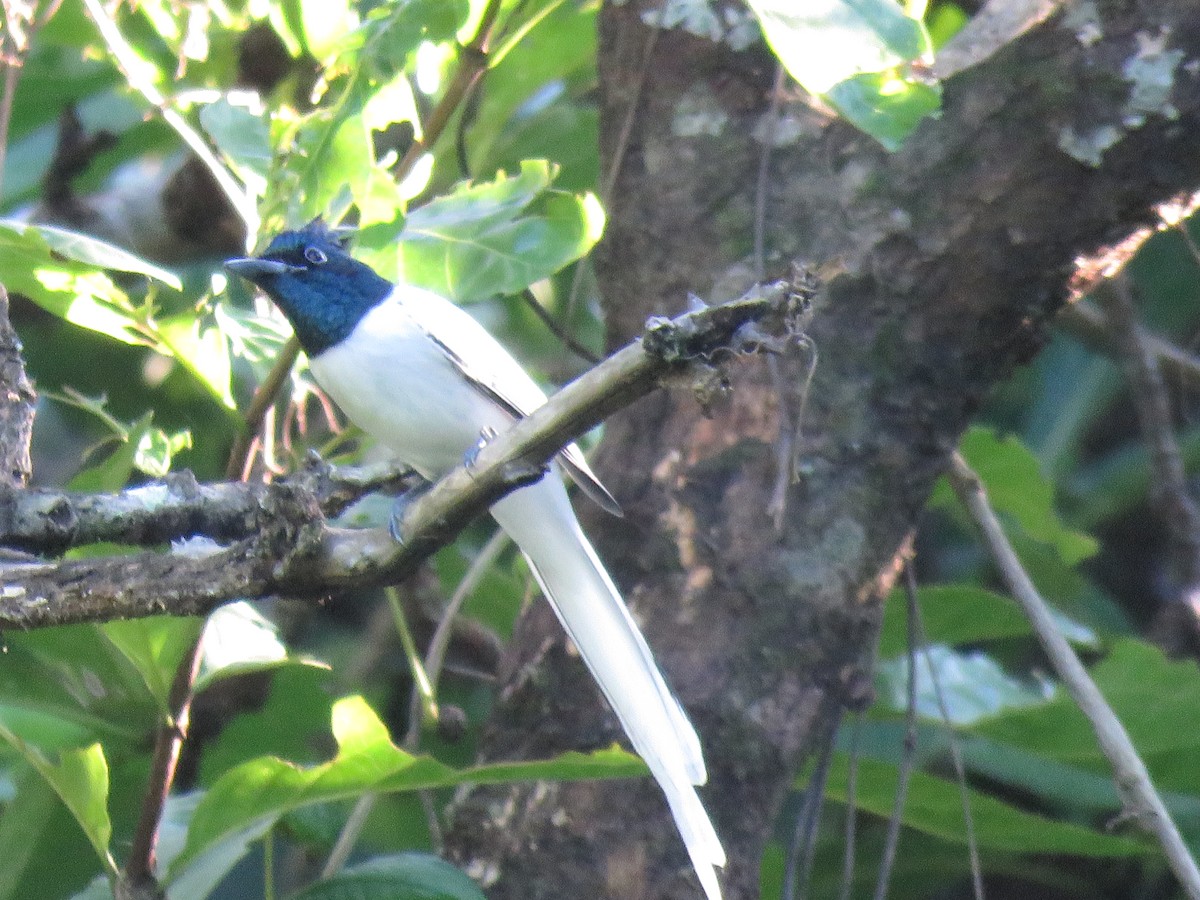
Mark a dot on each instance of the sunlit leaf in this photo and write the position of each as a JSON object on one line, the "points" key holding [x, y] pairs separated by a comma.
{"points": [[243, 136], [238, 639], [325, 23], [497, 237], [87, 249], [80, 779], [367, 760], [885, 106], [204, 351], [824, 42], [853, 52], [155, 450]]}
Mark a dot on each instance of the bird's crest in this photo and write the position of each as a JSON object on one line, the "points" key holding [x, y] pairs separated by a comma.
{"points": [[315, 234]]}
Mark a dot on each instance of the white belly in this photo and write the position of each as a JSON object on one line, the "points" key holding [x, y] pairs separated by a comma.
{"points": [[398, 386]]}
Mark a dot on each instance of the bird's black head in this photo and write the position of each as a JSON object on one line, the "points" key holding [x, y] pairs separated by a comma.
{"points": [[321, 288]]}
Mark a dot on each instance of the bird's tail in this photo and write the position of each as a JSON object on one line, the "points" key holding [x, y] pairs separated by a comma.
{"points": [[540, 519]]}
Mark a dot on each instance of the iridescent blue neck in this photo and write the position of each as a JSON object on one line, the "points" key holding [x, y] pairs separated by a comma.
{"points": [[325, 305]]}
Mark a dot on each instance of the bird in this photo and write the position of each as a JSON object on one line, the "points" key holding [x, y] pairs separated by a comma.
{"points": [[427, 381]]}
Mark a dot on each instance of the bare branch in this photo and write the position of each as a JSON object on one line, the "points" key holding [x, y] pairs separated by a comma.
{"points": [[50, 521], [1090, 324], [1132, 780], [1177, 508], [292, 551]]}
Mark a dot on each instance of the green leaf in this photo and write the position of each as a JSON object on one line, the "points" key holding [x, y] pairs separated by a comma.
{"points": [[94, 252], [324, 24], [80, 779], [155, 646], [263, 789], [958, 614], [1017, 488], [1152, 696], [497, 237], [413, 876], [204, 351], [243, 136], [24, 822], [156, 449], [67, 687], [113, 471], [393, 32], [934, 807], [205, 871], [972, 684], [292, 723], [824, 42], [885, 106], [238, 639], [72, 291]]}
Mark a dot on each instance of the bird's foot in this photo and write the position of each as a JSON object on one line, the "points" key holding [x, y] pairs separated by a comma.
{"points": [[400, 507], [472, 455]]}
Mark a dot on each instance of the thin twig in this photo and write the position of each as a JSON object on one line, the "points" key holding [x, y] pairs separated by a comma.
{"points": [[1138, 795], [172, 732], [960, 771], [798, 867], [12, 74], [1087, 322], [785, 438], [472, 63], [908, 760], [434, 657], [558, 330], [851, 831], [439, 642], [1177, 509], [349, 835]]}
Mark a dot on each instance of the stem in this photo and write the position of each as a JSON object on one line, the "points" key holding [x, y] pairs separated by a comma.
{"points": [[263, 398], [172, 732], [1132, 779], [421, 683]]}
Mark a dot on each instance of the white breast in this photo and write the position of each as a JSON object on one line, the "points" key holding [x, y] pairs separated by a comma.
{"points": [[397, 385]]}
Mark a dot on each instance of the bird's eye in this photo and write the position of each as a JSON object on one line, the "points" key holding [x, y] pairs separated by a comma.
{"points": [[315, 256]]}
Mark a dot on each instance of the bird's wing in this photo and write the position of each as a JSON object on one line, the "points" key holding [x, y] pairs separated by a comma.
{"points": [[493, 372]]}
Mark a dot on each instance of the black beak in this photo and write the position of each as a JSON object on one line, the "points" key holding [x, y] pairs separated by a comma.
{"points": [[258, 270]]}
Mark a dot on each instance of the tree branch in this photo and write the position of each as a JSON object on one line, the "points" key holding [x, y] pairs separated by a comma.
{"points": [[1133, 782], [50, 521], [292, 551]]}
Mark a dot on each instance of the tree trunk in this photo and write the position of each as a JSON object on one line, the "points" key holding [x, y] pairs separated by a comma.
{"points": [[950, 257]]}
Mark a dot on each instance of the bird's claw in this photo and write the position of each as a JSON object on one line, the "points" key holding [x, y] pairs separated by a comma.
{"points": [[472, 455], [400, 507]]}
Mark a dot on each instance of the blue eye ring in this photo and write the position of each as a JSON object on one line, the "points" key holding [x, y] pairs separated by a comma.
{"points": [[315, 256]]}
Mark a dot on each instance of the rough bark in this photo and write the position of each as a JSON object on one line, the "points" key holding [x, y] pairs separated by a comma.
{"points": [[18, 401], [953, 254]]}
